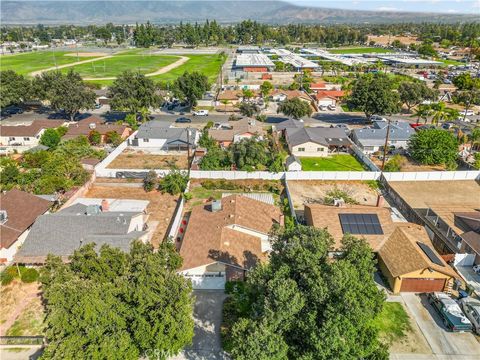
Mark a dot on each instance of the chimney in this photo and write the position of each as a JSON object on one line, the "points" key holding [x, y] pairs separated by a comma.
{"points": [[281, 220], [216, 205], [105, 205], [380, 201]]}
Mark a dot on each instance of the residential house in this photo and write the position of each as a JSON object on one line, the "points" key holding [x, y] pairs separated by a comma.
{"points": [[372, 139], [280, 95], [293, 163], [316, 141], [18, 211], [225, 238], [101, 96], [24, 137], [236, 131], [410, 263], [373, 223], [93, 123], [65, 231], [328, 97], [161, 136], [323, 86], [445, 92], [281, 127]]}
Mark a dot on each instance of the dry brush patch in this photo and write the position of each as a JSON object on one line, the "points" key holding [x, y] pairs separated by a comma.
{"points": [[141, 160]]}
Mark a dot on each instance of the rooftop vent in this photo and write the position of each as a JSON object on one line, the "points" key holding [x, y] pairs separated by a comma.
{"points": [[93, 209], [92, 125], [216, 205], [3, 216]]}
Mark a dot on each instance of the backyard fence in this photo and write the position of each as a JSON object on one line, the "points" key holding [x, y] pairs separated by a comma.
{"points": [[175, 223], [364, 158]]}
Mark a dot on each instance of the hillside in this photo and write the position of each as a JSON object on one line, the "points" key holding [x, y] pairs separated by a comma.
{"points": [[98, 12]]}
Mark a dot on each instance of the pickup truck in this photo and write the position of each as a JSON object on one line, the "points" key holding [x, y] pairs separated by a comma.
{"points": [[452, 315]]}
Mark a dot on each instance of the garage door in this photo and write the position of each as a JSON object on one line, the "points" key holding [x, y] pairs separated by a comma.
{"points": [[207, 281], [422, 285]]}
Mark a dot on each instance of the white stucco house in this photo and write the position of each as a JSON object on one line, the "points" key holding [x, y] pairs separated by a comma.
{"points": [[316, 141]]}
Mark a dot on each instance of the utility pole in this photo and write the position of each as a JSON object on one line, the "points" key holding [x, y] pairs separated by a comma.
{"points": [[386, 144]]}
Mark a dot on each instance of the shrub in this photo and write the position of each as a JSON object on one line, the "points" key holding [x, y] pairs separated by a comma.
{"points": [[174, 182], [150, 181], [29, 275], [8, 275], [396, 163], [337, 193]]}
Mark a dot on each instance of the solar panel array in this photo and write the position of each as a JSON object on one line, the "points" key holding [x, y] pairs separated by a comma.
{"points": [[430, 254], [360, 224]]}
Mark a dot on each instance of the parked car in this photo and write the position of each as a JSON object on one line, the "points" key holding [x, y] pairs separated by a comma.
{"points": [[323, 107], [448, 125], [98, 106], [200, 113], [377, 118], [452, 315], [467, 112], [471, 308], [331, 107], [183, 120]]}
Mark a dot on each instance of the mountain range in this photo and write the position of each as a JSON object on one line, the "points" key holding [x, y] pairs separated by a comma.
{"points": [[168, 12]]}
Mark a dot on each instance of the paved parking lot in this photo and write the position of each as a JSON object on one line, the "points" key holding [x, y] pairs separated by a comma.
{"points": [[444, 344], [208, 319]]}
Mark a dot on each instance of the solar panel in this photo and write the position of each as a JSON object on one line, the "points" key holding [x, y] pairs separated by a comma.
{"points": [[360, 224], [430, 254]]}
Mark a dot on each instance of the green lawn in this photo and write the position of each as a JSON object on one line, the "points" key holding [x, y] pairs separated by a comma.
{"points": [[393, 322], [360, 50], [144, 63], [28, 62], [341, 162], [450, 62]]}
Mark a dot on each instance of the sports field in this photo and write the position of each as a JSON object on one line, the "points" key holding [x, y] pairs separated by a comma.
{"points": [[111, 67], [209, 65], [28, 62], [360, 50]]}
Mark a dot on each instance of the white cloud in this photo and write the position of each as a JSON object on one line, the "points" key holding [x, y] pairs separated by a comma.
{"points": [[452, 11]]}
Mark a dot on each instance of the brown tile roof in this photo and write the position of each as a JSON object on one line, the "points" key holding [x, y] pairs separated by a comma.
{"points": [[229, 95], [245, 125], [22, 210], [333, 94], [210, 236], [472, 239], [402, 255], [82, 127], [291, 94], [29, 130], [326, 216]]}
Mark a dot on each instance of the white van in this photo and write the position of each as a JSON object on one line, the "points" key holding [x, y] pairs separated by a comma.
{"points": [[467, 113], [200, 113]]}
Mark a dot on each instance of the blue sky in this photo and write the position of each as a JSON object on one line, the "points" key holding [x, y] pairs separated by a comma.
{"points": [[441, 6]]}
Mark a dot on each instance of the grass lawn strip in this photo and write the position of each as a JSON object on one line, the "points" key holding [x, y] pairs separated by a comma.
{"points": [[340, 162]]}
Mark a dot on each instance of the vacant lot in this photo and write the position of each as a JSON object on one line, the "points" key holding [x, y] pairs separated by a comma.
{"points": [[388, 39], [341, 162], [313, 191], [28, 62], [140, 160], [114, 66], [22, 311], [411, 165], [399, 331], [160, 208], [360, 50]]}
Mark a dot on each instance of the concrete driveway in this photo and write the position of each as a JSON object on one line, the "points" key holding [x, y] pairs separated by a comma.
{"points": [[208, 319], [444, 344]]}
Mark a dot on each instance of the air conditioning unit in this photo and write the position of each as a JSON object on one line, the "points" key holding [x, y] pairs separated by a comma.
{"points": [[92, 125], [3, 216]]}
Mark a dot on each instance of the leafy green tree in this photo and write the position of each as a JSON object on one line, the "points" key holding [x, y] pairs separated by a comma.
{"points": [[133, 92], [249, 109], [94, 137], [474, 137], [434, 147], [175, 182], [112, 137], [301, 291], [247, 94], [111, 304], [374, 94], [191, 87], [265, 88], [440, 112], [50, 138], [468, 93], [427, 49], [215, 159], [422, 112], [249, 154], [66, 92], [295, 108], [413, 93], [14, 88], [206, 141]]}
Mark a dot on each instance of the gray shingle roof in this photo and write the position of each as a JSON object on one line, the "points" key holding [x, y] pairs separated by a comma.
{"points": [[289, 123], [291, 159], [162, 130], [320, 135], [63, 232], [399, 131]]}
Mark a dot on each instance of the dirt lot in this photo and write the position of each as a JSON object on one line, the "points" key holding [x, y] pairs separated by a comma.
{"points": [[313, 191], [411, 166], [161, 207], [141, 160], [385, 39], [22, 311]]}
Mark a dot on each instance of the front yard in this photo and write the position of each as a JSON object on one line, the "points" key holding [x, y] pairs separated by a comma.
{"points": [[340, 162]]}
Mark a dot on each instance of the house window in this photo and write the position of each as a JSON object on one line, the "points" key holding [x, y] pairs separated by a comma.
{"points": [[11, 138], [146, 140], [26, 139], [301, 149], [320, 149]]}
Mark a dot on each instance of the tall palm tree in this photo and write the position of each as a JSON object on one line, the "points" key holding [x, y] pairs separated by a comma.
{"points": [[474, 137], [440, 113], [422, 112]]}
